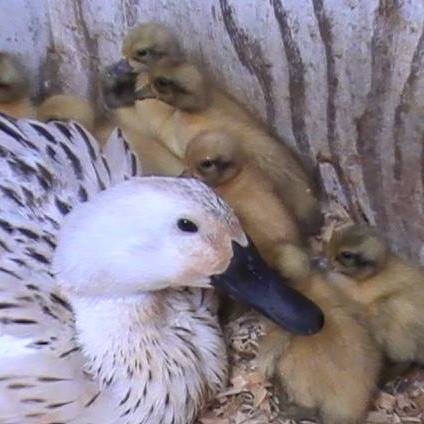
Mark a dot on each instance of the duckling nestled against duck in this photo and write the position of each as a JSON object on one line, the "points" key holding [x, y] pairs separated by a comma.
{"points": [[191, 104], [97, 323], [216, 157], [15, 87], [388, 287]]}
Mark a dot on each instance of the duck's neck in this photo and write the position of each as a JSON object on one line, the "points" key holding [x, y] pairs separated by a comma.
{"points": [[158, 355], [114, 332]]}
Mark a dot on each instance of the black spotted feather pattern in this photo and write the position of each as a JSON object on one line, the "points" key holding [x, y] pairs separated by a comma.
{"points": [[45, 169]]}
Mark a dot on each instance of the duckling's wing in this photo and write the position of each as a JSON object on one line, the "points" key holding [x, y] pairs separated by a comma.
{"points": [[45, 169]]}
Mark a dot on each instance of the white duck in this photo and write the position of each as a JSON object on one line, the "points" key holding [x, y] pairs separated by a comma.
{"points": [[95, 325]]}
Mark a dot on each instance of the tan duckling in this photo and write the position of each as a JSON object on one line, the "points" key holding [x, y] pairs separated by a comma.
{"points": [[65, 107], [390, 288], [148, 43], [216, 157], [333, 373], [196, 106], [14, 88], [144, 45]]}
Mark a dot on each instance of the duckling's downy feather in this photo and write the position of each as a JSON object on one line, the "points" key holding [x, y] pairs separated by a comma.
{"points": [[45, 169]]}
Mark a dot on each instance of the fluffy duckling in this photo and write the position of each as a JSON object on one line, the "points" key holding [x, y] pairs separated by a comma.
{"points": [[148, 43], [14, 88], [198, 106], [216, 157], [391, 290], [144, 46], [64, 107], [333, 373], [156, 159], [96, 325]]}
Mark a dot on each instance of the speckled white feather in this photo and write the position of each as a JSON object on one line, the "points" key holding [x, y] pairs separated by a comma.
{"points": [[96, 340]]}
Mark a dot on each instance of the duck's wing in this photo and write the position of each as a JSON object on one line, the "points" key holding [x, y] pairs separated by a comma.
{"points": [[45, 169]]}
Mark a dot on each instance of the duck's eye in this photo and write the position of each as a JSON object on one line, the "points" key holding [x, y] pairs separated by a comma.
{"points": [[187, 226]]}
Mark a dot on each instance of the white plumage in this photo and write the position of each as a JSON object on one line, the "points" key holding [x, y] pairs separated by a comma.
{"points": [[90, 356]]}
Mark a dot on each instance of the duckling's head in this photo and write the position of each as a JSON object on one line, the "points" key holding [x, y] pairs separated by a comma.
{"points": [[180, 84], [214, 157], [14, 83], [357, 251], [152, 233], [148, 43], [145, 46]]}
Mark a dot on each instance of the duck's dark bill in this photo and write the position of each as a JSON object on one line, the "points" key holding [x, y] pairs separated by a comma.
{"points": [[250, 280]]}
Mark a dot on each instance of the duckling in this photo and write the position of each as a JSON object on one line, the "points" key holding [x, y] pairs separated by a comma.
{"points": [[390, 288], [198, 106], [14, 88], [145, 45], [216, 157], [103, 319], [149, 43], [155, 157], [64, 107], [333, 373]]}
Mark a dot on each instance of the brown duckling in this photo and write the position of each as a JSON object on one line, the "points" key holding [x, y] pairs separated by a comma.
{"points": [[333, 373], [388, 287], [216, 157], [196, 105]]}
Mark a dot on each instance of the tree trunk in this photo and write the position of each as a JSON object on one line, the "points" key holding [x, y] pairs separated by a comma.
{"points": [[342, 81]]}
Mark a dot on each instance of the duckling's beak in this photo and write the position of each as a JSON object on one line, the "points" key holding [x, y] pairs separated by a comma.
{"points": [[250, 280], [145, 92], [320, 263], [121, 69], [118, 85]]}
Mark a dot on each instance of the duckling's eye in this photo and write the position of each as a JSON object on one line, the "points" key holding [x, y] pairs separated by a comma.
{"points": [[187, 226], [346, 255], [347, 258], [207, 164], [162, 83], [142, 52]]}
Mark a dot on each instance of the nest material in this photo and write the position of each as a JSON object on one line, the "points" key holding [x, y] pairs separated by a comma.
{"points": [[251, 400]]}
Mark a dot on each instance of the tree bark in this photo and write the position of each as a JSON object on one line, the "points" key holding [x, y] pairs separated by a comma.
{"points": [[342, 81]]}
